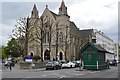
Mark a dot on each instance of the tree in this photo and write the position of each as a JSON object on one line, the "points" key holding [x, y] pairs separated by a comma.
{"points": [[21, 33], [36, 57], [12, 48], [57, 35], [66, 43], [49, 31], [39, 25], [2, 52]]}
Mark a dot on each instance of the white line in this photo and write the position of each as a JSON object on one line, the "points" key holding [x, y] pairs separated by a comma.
{"points": [[68, 76], [94, 71], [62, 76], [77, 74], [44, 75], [81, 74], [28, 77]]}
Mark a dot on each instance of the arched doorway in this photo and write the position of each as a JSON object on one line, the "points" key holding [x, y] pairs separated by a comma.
{"points": [[31, 54], [47, 55], [61, 56]]}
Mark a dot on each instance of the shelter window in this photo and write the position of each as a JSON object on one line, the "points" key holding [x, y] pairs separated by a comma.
{"points": [[89, 57]]}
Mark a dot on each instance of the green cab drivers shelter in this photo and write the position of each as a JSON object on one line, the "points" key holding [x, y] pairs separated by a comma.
{"points": [[93, 56]]}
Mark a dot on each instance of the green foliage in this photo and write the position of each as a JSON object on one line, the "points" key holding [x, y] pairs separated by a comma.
{"points": [[36, 57], [2, 52], [11, 49]]}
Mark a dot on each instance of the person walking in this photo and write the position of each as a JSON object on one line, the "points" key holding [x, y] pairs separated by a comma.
{"points": [[10, 66], [80, 65], [107, 63]]}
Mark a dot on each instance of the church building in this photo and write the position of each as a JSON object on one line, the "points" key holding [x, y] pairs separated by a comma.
{"points": [[53, 34]]}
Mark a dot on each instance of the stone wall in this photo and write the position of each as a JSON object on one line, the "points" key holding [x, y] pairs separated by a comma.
{"points": [[34, 65]]}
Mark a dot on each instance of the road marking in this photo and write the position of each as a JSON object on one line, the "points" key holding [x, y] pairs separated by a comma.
{"points": [[62, 76], [68, 76], [44, 75], [81, 74], [94, 71], [77, 74]]}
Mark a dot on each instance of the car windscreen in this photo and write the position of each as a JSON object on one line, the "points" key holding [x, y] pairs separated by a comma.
{"points": [[50, 62]]}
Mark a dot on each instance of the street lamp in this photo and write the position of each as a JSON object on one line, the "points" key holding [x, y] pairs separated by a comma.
{"points": [[10, 52]]}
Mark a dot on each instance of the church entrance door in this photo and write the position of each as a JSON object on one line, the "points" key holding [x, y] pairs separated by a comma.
{"points": [[47, 55], [61, 56]]}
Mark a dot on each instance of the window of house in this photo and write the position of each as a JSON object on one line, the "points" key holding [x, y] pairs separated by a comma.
{"points": [[89, 57]]}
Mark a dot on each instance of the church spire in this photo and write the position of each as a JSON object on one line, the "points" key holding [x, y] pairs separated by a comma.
{"points": [[63, 9], [34, 13]]}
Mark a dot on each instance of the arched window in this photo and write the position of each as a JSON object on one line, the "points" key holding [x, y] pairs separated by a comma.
{"points": [[47, 55], [48, 37], [61, 37]]}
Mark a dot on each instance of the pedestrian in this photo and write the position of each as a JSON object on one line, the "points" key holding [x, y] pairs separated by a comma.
{"points": [[107, 63], [80, 65], [53, 59], [10, 66]]}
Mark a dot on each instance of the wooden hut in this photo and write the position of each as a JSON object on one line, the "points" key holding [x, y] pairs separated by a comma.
{"points": [[93, 56]]}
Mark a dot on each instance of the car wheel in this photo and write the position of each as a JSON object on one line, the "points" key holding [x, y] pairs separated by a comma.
{"points": [[54, 68], [46, 68]]}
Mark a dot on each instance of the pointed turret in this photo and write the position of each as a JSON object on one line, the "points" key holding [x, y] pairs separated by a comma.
{"points": [[63, 9], [34, 13]]}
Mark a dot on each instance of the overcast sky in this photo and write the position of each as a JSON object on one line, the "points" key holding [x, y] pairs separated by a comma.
{"points": [[86, 14]]}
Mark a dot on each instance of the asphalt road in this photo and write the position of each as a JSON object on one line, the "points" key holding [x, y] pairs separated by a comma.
{"points": [[59, 74]]}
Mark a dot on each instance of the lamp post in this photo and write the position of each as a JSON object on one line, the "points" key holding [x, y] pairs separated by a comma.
{"points": [[10, 53]]}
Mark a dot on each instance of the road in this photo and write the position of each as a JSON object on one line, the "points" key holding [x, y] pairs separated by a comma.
{"points": [[63, 73]]}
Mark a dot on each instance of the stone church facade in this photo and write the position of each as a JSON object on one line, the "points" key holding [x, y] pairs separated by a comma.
{"points": [[61, 37]]}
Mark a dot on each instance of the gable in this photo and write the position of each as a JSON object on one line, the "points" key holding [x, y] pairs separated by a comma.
{"points": [[94, 46], [88, 49], [49, 14]]}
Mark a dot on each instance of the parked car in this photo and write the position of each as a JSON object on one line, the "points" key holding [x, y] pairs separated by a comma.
{"points": [[113, 62], [53, 65], [77, 63], [3, 61], [68, 65], [61, 61], [8, 62]]}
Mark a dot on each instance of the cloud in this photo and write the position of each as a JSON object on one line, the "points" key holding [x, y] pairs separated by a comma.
{"points": [[98, 14], [12, 11]]}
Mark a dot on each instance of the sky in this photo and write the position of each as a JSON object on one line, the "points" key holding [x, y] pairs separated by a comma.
{"points": [[86, 14]]}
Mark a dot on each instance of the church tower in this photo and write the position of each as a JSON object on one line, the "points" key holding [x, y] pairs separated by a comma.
{"points": [[63, 9], [34, 13]]}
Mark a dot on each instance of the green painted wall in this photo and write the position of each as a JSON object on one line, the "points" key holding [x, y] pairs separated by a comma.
{"points": [[90, 57]]}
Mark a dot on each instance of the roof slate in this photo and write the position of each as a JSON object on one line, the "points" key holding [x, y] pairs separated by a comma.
{"points": [[97, 46]]}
